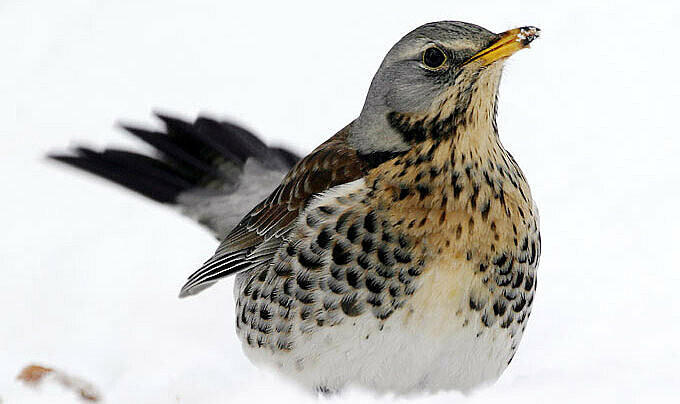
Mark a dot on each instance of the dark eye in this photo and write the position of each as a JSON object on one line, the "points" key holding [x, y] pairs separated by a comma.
{"points": [[434, 58]]}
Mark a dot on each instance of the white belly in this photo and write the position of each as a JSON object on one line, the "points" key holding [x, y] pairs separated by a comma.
{"points": [[435, 342]]}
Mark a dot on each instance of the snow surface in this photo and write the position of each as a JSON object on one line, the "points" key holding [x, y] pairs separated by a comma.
{"points": [[90, 274]]}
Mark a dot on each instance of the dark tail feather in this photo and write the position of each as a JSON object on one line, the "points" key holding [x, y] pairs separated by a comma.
{"points": [[101, 163], [188, 156]]}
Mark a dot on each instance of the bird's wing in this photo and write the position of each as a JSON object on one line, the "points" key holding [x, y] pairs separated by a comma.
{"points": [[213, 171], [345, 258], [255, 240]]}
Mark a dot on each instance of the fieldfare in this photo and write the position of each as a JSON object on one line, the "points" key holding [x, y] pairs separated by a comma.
{"points": [[400, 255]]}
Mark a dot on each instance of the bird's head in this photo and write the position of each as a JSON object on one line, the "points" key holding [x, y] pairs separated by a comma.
{"points": [[440, 79]]}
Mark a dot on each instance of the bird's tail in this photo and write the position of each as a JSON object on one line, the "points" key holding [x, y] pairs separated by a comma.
{"points": [[206, 158]]}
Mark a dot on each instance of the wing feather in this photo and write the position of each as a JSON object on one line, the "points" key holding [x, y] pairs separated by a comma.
{"points": [[258, 236]]}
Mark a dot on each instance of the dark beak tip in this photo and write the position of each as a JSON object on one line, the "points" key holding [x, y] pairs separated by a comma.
{"points": [[528, 34]]}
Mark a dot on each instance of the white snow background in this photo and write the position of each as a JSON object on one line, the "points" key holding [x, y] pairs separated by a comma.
{"points": [[90, 273]]}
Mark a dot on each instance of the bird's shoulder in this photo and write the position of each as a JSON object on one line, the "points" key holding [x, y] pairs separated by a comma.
{"points": [[333, 163]]}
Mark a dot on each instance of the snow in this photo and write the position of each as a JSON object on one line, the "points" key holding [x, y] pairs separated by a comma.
{"points": [[91, 273]]}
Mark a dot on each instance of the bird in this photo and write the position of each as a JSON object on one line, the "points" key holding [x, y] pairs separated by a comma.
{"points": [[399, 256]]}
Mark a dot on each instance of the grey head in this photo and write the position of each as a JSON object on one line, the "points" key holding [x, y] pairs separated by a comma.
{"points": [[430, 72]]}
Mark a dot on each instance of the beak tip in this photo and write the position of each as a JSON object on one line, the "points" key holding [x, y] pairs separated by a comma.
{"points": [[506, 44], [527, 35]]}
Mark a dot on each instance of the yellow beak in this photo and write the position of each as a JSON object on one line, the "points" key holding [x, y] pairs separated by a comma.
{"points": [[508, 43]]}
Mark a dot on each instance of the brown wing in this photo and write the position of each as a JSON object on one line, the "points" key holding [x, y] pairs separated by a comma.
{"points": [[256, 238]]}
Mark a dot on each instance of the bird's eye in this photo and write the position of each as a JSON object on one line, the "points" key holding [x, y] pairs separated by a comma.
{"points": [[434, 58]]}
